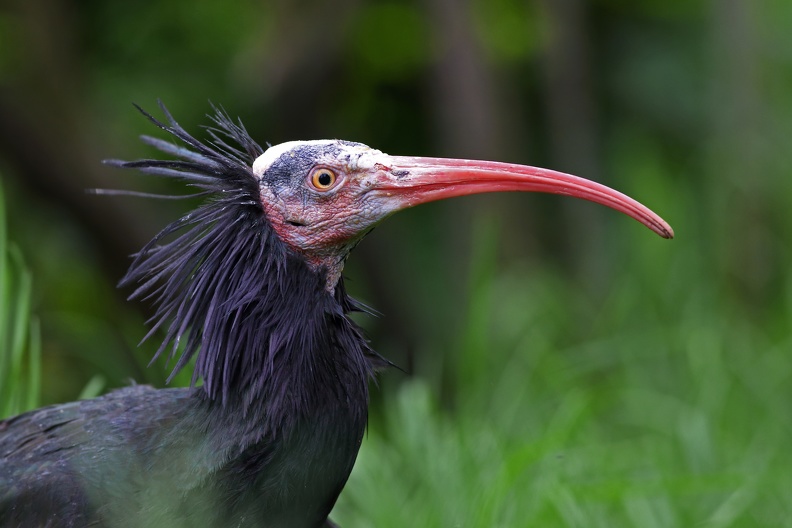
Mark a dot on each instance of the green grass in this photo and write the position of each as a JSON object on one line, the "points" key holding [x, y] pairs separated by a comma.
{"points": [[660, 405], [20, 345], [20, 333]]}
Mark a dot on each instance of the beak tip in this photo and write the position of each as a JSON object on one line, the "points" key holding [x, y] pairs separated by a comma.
{"points": [[666, 231]]}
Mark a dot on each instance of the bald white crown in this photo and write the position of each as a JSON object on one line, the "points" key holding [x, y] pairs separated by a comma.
{"points": [[355, 156]]}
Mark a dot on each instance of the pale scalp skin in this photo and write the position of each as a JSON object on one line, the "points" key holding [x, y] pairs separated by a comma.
{"points": [[325, 235], [356, 157]]}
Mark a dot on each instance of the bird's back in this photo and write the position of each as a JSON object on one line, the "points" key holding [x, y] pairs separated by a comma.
{"points": [[62, 464], [144, 457]]}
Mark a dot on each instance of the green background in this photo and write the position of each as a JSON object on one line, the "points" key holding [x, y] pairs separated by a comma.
{"points": [[564, 366]]}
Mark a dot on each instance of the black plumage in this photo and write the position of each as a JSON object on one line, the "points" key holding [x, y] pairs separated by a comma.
{"points": [[249, 284], [224, 453]]}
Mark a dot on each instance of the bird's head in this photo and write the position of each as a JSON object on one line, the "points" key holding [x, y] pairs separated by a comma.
{"points": [[219, 274], [323, 196]]}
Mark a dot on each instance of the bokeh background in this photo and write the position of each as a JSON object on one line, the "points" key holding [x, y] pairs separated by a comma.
{"points": [[563, 366]]}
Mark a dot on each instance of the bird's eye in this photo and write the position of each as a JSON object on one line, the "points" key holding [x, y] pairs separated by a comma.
{"points": [[323, 179]]}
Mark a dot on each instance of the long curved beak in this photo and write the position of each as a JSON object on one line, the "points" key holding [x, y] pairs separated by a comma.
{"points": [[410, 181]]}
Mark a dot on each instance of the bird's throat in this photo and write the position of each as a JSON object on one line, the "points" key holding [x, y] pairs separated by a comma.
{"points": [[298, 355], [323, 248]]}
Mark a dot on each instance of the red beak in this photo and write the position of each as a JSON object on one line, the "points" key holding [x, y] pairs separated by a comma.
{"points": [[412, 181]]}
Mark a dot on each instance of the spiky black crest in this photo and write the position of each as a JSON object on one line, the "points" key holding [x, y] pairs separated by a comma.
{"points": [[226, 287]]}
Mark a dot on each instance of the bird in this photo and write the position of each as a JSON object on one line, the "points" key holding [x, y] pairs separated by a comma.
{"points": [[249, 285]]}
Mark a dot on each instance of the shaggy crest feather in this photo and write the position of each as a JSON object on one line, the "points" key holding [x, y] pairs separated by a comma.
{"points": [[220, 277]]}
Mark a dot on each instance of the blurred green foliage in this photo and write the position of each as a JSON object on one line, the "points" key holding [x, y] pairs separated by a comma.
{"points": [[20, 342], [564, 366]]}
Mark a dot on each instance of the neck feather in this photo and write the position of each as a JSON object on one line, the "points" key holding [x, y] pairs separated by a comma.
{"points": [[271, 341]]}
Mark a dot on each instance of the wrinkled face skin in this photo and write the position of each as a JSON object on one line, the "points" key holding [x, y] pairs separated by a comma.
{"points": [[320, 197]]}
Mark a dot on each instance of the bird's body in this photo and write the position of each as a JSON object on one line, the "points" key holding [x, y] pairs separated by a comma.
{"points": [[277, 454], [157, 467], [250, 285], [183, 459]]}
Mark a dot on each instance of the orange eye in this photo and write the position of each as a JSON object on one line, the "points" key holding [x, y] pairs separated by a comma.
{"points": [[323, 179]]}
